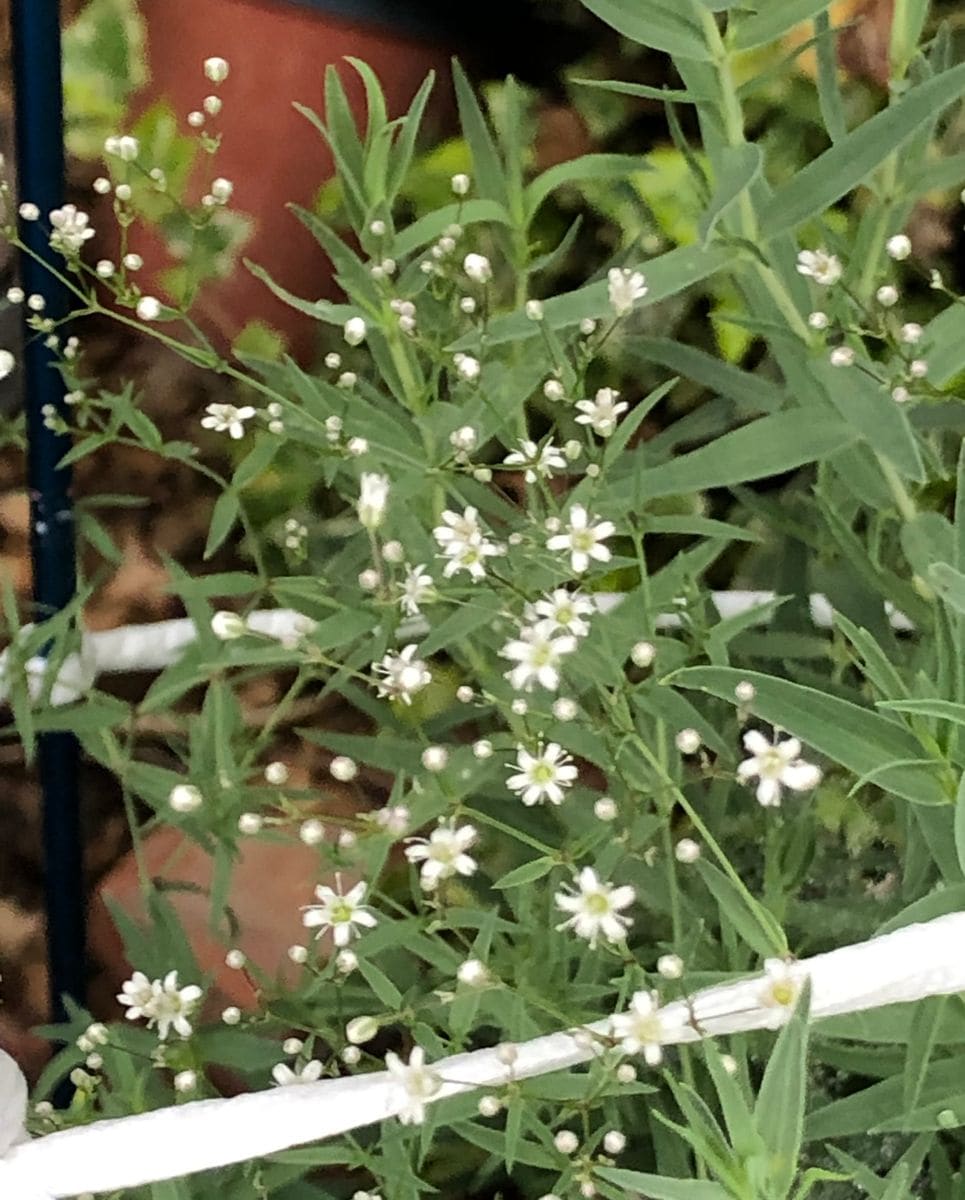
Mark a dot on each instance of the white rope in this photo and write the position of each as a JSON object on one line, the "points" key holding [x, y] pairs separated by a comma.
{"points": [[909, 964], [156, 646]]}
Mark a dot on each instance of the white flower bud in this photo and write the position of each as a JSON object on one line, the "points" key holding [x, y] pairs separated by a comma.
{"points": [[105, 268], [435, 758], [745, 692], [222, 190], [482, 749], [8, 363], [216, 69], [231, 1015], [900, 394], [276, 773], [729, 1063], [899, 247], [887, 296], [670, 966], [235, 959], [250, 823], [123, 192], [29, 212], [686, 851], [534, 310], [298, 954], [361, 1030], [642, 654], [101, 185], [212, 105], [911, 334], [473, 973], [346, 961], [687, 741], [463, 438], [918, 369], [818, 320], [354, 331], [587, 326], [351, 1055], [519, 707], [185, 1081], [507, 1053], [369, 579], [227, 626], [293, 1045], [465, 694], [565, 709], [185, 798], [343, 768], [553, 390], [393, 552], [842, 356], [478, 268], [467, 305], [566, 1141], [148, 308], [626, 1073], [489, 1106], [605, 809], [467, 367], [460, 184], [614, 1142], [312, 832]]}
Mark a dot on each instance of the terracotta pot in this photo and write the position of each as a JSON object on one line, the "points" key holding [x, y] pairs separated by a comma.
{"points": [[278, 52]]}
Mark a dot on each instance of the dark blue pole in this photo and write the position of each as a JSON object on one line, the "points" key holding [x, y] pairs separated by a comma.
{"points": [[38, 94]]}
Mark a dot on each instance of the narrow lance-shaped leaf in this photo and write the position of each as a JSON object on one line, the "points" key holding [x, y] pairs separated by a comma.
{"points": [[779, 1111], [738, 168]]}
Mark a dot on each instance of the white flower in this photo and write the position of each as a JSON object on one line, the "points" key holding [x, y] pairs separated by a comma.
{"points": [[780, 987], [136, 995], [537, 655], [842, 356], [460, 184], [417, 1082], [161, 1002], [227, 418], [478, 268], [899, 247], [686, 851], [540, 461], [818, 320], [343, 768], [185, 798], [417, 589], [125, 148], [284, 1076], [641, 1029], [776, 766], [71, 229], [614, 1142], [825, 269], [340, 913], [393, 818], [402, 675], [373, 499], [222, 190], [553, 390], [887, 296], [467, 367], [149, 309], [542, 776], [602, 413], [473, 973], [228, 625], [624, 288], [7, 363], [216, 69], [562, 611], [443, 854], [463, 543], [911, 334], [354, 331], [534, 310], [582, 540], [596, 908]]}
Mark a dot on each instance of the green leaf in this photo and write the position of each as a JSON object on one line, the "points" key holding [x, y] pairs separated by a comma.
{"points": [[772, 20], [861, 740], [587, 166], [771, 446], [829, 86], [490, 176], [921, 1043], [906, 29], [751, 927], [739, 167], [949, 584], [668, 25], [434, 224], [851, 161], [255, 462], [405, 147], [748, 390], [527, 873], [386, 991], [480, 610], [223, 517], [779, 1109], [644, 91], [943, 710], [960, 823], [321, 310], [662, 1187]]}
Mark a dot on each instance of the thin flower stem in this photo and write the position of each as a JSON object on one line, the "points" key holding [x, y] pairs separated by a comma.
{"points": [[495, 823]]}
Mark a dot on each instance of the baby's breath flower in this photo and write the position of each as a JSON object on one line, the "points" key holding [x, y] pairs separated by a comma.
{"points": [[216, 69], [583, 540], [435, 758], [298, 954], [624, 288], [276, 773], [149, 309], [467, 304], [416, 589], [553, 390], [780, 987], [824, 268], [464, 544], [7, 363], [343, 768], [605, 809], [562, 611], [537, 655], [686, 851], [565, 709], [354, 331], [467, 367], [670, 966], [71, 229], [401, 675], [911, 334], [489, 1106], [29, 212], [595, 908], [250, 823], [614, 1142], [185, 798], [417, 1082], [443, 854], [312, 832], [284, 1076], [687, 741], [478, 268], [900, 394], [343, 914], [887, 296], [464, 439], [602, 413], [228, 418], [899, 247], [482, 749], [566, 1141], [542, 776], [818, 320], [539, 461], [473, 973], [641, 1029], [745, 692], [776, 766], [460, 184], [226, 626], [126, 148], [534, 310], [393, 818], [373, 500], [842, 356]]}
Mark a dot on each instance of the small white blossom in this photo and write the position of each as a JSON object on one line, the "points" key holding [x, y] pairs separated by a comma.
{"points": [[687, 741], [162, 1002], [537, 655], [539, 461], [565, 709], [149, 309], [595, 908], [482, 749], [542, 776], [899, 247], [911, 334], [566, 1141], [641, 1029], [887, 296], [745, 692], [824, 268], [276, 773], [354, 331], [605, 809], [250, 823], [227, 418], [561, 611], [435, 758], [534, 310], [401, 675], [918, 369], [583, 540], [473, 973], [125, 148], [416, 589], [71, 229], [614, 1142], [343, 914], [464, 544], [216, 69], [284, 1076], [686, 851], [553, 390], [311, 832], [780, 988], [842, 356], [343, 768], [463, 439], [7, 363], [670, 966], [226, 626], [136, 995], [460, 184], [776, 766], [373, 500], [185, 798], [818, 320], [417, 1082], [443, 854], [133, 262], [467, 367], [393, 818], [900, 394], [624, 288], [603, 412], [478, 268]]}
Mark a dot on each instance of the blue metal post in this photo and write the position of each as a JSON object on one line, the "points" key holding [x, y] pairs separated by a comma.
{"points": [[38, 89]]}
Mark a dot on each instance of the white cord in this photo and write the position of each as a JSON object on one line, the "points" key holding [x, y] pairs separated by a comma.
{"points": [[909, 964]]}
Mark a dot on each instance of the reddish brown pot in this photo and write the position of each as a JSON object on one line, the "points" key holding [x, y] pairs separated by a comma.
{"points": [[278, 53]]}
